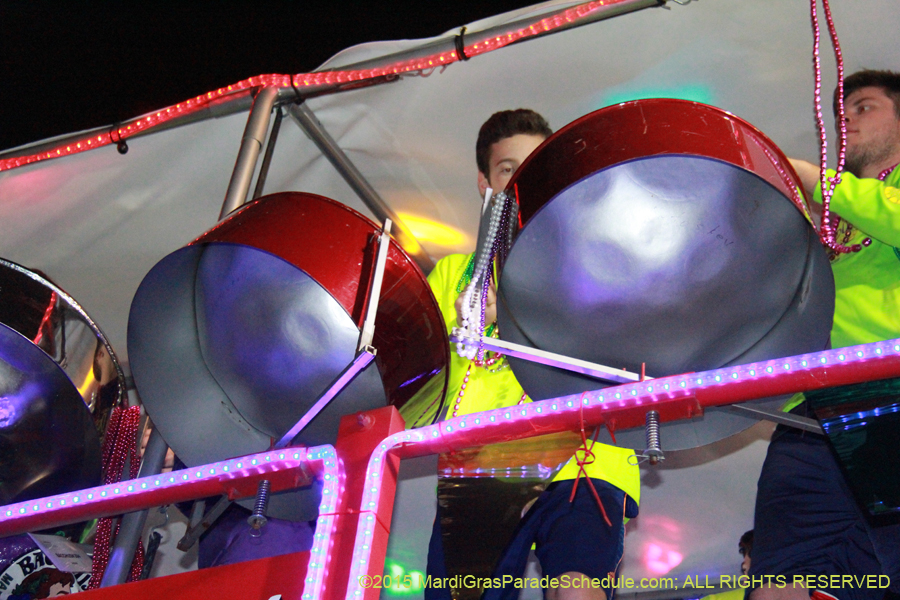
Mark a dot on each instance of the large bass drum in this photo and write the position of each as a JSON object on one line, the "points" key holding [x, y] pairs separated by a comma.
{"points": [[59, 380], [666, 233], [232, 338]]}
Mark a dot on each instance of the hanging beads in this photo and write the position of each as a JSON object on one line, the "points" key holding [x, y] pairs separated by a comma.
{"points": [[848, 228], [476, 291], [828, 231]]}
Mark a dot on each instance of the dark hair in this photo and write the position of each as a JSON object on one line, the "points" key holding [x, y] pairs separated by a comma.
{"points": [[38, 584], [504, 124], [745, 545], [888, 81]]}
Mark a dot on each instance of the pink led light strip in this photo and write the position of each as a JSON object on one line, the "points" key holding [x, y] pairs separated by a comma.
{"points": [[188, 484], [309, 80], [841, 366]]}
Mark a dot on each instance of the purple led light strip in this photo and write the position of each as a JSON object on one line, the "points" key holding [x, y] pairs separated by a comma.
{"points": [[718, 387], [188, 484]]}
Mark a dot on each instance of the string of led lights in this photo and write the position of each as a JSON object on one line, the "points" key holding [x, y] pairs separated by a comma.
{"points": [[285, 468], [318, 82], [687, 393]]}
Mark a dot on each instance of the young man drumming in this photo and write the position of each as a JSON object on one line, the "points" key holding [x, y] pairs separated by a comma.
{"points": [[574, 542], [807, 522]]}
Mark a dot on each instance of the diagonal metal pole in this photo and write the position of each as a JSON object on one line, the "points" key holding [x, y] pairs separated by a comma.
{"points": [[307, 120]]}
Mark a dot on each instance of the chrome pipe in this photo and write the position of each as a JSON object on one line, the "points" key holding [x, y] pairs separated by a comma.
{"points": [[251, 144]]}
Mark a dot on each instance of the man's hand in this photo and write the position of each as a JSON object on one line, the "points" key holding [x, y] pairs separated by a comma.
{"points": [[490, 309], [808, 173]]}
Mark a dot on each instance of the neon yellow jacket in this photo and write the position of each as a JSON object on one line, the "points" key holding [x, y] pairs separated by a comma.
{"points": [[867, 283], [488, 390]]}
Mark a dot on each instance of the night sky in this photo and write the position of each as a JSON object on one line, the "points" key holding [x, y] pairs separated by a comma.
{"points": [[66, 66]]}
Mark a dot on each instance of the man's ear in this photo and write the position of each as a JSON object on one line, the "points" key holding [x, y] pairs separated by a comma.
{"points": [[483, 184]]}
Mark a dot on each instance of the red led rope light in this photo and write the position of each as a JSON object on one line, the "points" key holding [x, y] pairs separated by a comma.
{"points": [[306, 80], [164, 115]]}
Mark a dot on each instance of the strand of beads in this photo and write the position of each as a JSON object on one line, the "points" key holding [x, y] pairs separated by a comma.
{"points": [[476, 291], [499, 248], [828, 231], [120, 444], [465, 384], [466, 276], [845, 239], [848, 227]]}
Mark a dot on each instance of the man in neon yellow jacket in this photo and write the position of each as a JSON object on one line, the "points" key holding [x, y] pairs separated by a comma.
{"points": [[573, 540], [806, 520]]}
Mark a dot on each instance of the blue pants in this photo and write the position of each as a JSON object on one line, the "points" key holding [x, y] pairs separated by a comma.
{"points": [[569, 537], [808, 523]]}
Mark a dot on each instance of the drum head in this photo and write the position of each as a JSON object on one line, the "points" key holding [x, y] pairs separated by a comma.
{"points": [[233, 338], [680, 261]]}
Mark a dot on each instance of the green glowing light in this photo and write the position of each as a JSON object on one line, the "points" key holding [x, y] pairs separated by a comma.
{"points": [[400, 582], [695, 93]]}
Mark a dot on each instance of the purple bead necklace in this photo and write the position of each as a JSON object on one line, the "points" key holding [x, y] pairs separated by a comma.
{"points": [[828, 230]]}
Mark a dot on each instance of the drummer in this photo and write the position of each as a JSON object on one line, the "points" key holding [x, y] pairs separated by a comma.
{"points": [[574, 541], [807, 522]]}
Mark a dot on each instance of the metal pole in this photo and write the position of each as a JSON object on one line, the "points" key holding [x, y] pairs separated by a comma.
{"points": [[368, 329], [551, 359], [267, 157], [363, 359], [783, 418], [329, 147], [251, 144], [122, 553]]}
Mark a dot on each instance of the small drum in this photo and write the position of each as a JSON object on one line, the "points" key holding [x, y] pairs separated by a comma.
{"points": [[665, 233], [232, 338], [59, 381]]}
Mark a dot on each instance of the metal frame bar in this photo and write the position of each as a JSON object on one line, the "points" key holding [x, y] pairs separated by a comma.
{"points": [[363, 359], [675, 397], [449, 44], [549, 358], [251, 145], [370, 513], [201, 520], [306, 119], [267, 157], [367, 334], [238, 101], [782, 418], [236, 477], [365, 352]]}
